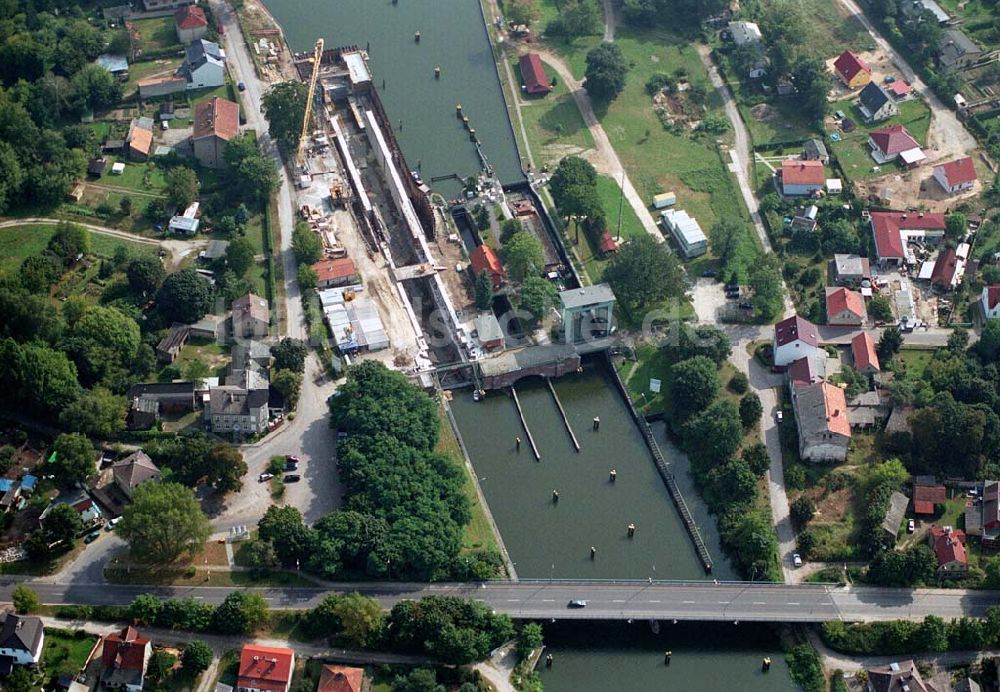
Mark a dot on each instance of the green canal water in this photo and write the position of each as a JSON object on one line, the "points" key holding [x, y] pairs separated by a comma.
{"points": [[452, 37]]}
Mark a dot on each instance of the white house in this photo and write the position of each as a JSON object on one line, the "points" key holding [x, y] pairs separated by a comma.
{"points": [[794, 338], [204, 65], [990, 302], [686, 232], [21, 638], [956, 176], [744, 33], [799, 177], [875, 103]]}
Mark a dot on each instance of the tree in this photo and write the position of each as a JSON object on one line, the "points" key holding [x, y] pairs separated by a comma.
{"points": [[889, 344], [449, 629], [74, 460], [768, 292], [69, 242], [125, 205], [574, 188], [93, 87], [576, 18], [62, 524], [284, 529], [39, 272], [537, 294], [306, 245], [522, 11], [145, 609], [197, 657], [285, 107], [528, 639], [225, 468], [305, 275], [739, 383], [839, 236], [750, 410], [643, 274], [992, 569], [685, 342], [524, 256], [145, 273], [184, 297], [360, 619], [45, 379], [958, 340], [240, 256], [289, 383], [163, 522], [289, 354], [102, 342], [484, 290], [181, 186], [956, 226], [757, 458], [712, 436], [932, 634], [160, 663], [802, 511], [25, 600], [729, 243], [508, 227], [606, 71], [879, 308], [259, 555], [812, 84], [97, 413], [240, 613], [417, 680], [20, 679], [693, 385]]}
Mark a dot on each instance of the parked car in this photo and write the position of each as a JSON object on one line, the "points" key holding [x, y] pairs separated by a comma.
{"points": [[576, 603], [291, 465], [241, 86], [293, 478], [911, 526], [796, 560], [110, 526], [92, 536], [779, 416], [291, 458], [265, 477]]}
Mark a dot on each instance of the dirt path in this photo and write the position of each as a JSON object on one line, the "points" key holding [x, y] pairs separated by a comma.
{"points": [[124, 190], [610, 21], [604, 159], [102, 230], [947, 136]]}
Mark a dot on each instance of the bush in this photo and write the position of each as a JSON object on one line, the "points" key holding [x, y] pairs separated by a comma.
{"points": [[739, 383], [805, 668], [795, 476], [750, 410], [802, 511], [197, 656]]}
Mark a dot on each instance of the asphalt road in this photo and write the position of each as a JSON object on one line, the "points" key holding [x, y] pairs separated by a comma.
{"points": [[697, 601]]}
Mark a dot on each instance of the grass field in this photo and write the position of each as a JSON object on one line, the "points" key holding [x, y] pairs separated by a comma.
{"points": [[142, 177], [829, 32], [914, 362], [162, 67], [157, 34], [65, 652], [554, 126], [20, 242], [852, 150], [784, 120]]}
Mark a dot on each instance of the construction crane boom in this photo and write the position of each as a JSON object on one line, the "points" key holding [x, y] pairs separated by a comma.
{"points": [[300, 158]]}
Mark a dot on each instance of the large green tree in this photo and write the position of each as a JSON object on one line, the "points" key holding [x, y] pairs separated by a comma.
{"points": [[145, 273], [163, 522], [306, 244], [185, 296], [606, 71], [693, 385], [69, 242], [285, 106], [574, 188], [240, 256], [768, 289], [98, 413], [643, 274], [182, 186], [289, 354], [240, 613], [361, 619], [523, 256], [712, 436], [537, 295], [75, 458]]}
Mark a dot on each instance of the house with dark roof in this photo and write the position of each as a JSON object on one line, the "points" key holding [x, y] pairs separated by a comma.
{"points": [[821, 417], [989, 302], [170, 346], [95, 167], [982, 518], [967, 685], [22, 638], [851, 270], [133, 471], [894, 513], [334, 678], [265, 669], [844, 307], [864, 355], [893, 229], [251, 317], [233, 409], [124, 659], [799, 177], [897, 677], [216, 121], [807, 370], [948, 545], [794, 338], [926, 497], [852, 70], [191, 24], [948, 270], [894, 142], [875, 103], [956, 50], [535, 83], [956, 176], [146, 402], [204, 65], [815, 150], [484, 259]]}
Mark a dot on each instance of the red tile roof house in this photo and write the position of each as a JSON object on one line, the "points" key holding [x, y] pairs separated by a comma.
{"points": [[990, 302], [265, 669], [340, 679], [794, 338], [894, 142], [956, 176], [533, 75], [900, 90], [216, 121], [339, 271], [852, 70], [800, 177], [925, 497], [191, 24], [947, 270], [821, 416], [483, 258], [124, 658], [891, 230], [865, 357], [845, 308], [949, 547]]}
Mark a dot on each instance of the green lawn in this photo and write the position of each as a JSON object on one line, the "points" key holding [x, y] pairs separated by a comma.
{"points": [[20, 242], [162, 67], [142, 177], [554, 126], [829, 32], [784, 120], [914, 362], [157, 34], [853, 151], [65, 652], [610, 193]]}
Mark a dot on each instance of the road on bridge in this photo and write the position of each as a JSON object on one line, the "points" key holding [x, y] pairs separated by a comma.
{"points": [[698, 601]]}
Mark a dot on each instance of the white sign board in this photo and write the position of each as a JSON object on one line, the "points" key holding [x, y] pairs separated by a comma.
{"points": [[654, 385]]}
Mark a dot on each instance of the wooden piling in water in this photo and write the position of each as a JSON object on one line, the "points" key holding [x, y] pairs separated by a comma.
{"points": [[562, 412], [524, 424]]}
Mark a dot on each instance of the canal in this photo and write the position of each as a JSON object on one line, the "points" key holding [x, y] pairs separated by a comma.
{"points": [[548, 539], [452, 37], [630, 658]]}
